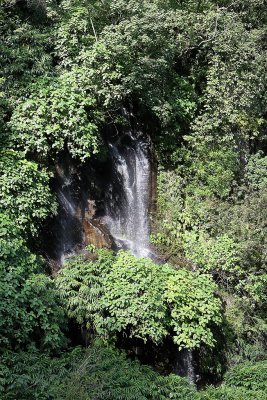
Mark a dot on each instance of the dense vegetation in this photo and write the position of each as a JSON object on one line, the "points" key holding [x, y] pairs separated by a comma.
{"points": [[194, 74]]}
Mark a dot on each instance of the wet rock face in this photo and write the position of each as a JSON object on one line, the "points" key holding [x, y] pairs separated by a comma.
{"points": [[96, 235], [94, 231], [79, 190], [63, 233]]}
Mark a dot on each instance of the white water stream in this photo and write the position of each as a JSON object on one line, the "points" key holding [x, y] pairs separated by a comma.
{"points": [[68, 229], [127, 205]]}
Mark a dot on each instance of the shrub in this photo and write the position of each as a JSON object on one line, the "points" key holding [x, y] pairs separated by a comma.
{"points": [[105, 373], [58, 114], [30, 313], [99, 372], [226, 393], [24, 191], [252, 376], [140, 298], [34, 375]]}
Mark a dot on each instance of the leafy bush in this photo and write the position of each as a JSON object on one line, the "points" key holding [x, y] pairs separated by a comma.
{"points": [[105, 373], [193, 306], [34, 375], [170, 218], [132, 298], [146, 300], [252, 376], [24, 192], [99, 372], [218, 255], [255, 173], [213, 172], [245, 381], [30, 313], [226, 393], [25, 49], [80, 285]]}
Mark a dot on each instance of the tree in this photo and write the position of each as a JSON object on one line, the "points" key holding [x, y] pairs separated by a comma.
{"points": [[59, 114]]}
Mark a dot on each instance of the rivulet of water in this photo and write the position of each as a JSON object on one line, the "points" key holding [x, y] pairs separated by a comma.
{"points": [[184, 365], [68, 232]]}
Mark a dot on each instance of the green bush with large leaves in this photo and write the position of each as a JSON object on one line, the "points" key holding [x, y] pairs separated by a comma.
{"points": [[145, 300]]}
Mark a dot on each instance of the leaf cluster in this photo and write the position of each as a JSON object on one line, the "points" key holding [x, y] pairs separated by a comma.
{"points": [[141, 299], [24, 192], [30, 311]]}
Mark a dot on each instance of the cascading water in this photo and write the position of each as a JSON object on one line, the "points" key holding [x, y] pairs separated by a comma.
{"points": [[184, 365], [127, 199], [68, 231]]}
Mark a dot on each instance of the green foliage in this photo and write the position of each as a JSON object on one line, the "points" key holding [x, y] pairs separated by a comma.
{"points": [[167, 235], [24, 192], [133, 298], [193, 308], [78, 28], [25, 50], [30, 313], [244, 222], [213, 173], [255, 173], [252, 376], [141, 299], [80, 284], [194, 72], [99, 372], [34, 375], [227, 238], [245, 381], [104, 373], [246, 336], [59, 114], [226, 393], [234, 96], [128, 50], [218, 255]]}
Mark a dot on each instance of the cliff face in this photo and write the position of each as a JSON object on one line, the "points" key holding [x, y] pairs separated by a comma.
{"points": [[94, 231], [79, 190], [83, 192]]}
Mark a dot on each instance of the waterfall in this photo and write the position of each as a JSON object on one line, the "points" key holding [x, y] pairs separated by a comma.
{"points": [[126, 183], [128, 195], [129, 190], [184, 365]]}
